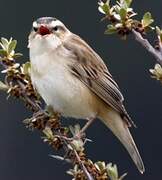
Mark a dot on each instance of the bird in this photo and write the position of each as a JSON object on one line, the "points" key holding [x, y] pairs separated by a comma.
{"points": [[74, 80]]}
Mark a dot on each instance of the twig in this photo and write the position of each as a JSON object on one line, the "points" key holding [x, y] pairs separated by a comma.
{"points": [[35, 106], [67, 141], [17, 83], [146, 44], [60, 158], [89, 177]]}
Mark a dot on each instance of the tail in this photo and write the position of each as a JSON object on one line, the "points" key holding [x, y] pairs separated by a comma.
{"points": [[119, 127]]}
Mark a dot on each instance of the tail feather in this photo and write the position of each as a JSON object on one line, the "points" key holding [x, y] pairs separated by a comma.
{"points": [[120, 129]]}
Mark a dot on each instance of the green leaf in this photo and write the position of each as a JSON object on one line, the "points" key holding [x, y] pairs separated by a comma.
{"points": [[48, 132], [10, 40], [4, 43], [104, 7], [112, 171], [12, 46], [128, 2], [4, 40], [3, 86], [123, 13], [110, 29], [101, 166], [147, 19], [72, 130], [159, 32], [77, 128], [122, 4], [26, 68], [78, 145], [3, 53], [157, 72], [17, 55]]}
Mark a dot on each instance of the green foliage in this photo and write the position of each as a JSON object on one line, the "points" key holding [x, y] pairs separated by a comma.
{"points": [[3, 86], [147, 19], [107, 171], [128, 2], [110, 29], [123, 14], [104, 7], [18, 84], [12, 46], [112, 171], [125, 4], [8, 48], [157, 72], [121, 18], [26, 68], [3, 52], [159, 33]]}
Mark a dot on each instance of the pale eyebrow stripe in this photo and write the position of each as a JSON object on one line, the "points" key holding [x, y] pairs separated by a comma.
{"points": [[56, 23]]}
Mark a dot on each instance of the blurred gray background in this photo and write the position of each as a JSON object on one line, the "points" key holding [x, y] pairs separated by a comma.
{"points": [[23, 155]]}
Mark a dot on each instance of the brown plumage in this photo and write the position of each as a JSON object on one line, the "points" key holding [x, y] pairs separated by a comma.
{"points": [[92, 71], [74, 80]]}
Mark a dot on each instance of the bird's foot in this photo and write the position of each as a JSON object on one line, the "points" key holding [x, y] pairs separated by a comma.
{"points": [[39, 113], [81, 134]]}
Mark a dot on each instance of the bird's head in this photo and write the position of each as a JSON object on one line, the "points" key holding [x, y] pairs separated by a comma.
{"points": [[48, 30]]}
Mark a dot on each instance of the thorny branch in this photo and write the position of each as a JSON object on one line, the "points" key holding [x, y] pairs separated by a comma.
{"points": [[146, 44], [17, 83], [122, 22]]}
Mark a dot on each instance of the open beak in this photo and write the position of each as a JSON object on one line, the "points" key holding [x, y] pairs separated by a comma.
{"points": [[43, 30]]}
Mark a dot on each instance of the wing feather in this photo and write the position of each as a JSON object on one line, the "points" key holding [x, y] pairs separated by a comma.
{"points": [[91, 70]]}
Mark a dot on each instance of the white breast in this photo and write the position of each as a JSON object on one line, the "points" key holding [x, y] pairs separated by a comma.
{"points": [[59, 88]]}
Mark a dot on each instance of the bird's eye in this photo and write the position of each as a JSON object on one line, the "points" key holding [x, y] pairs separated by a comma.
{"points": [[55, 28], [35, 29]]}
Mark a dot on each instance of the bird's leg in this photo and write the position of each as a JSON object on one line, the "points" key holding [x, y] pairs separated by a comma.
{"points": [[41, 111], [81, 133], [85, 127]]}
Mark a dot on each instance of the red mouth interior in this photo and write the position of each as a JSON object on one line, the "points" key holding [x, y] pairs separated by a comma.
{"points": [[44, 30]]}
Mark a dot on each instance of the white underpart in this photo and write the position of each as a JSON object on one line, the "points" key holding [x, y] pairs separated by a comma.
{"points": [[51, 77]]}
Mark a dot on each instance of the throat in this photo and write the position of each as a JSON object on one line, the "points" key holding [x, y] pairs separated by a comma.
{"points": [[43, 44], [42, 52]]}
